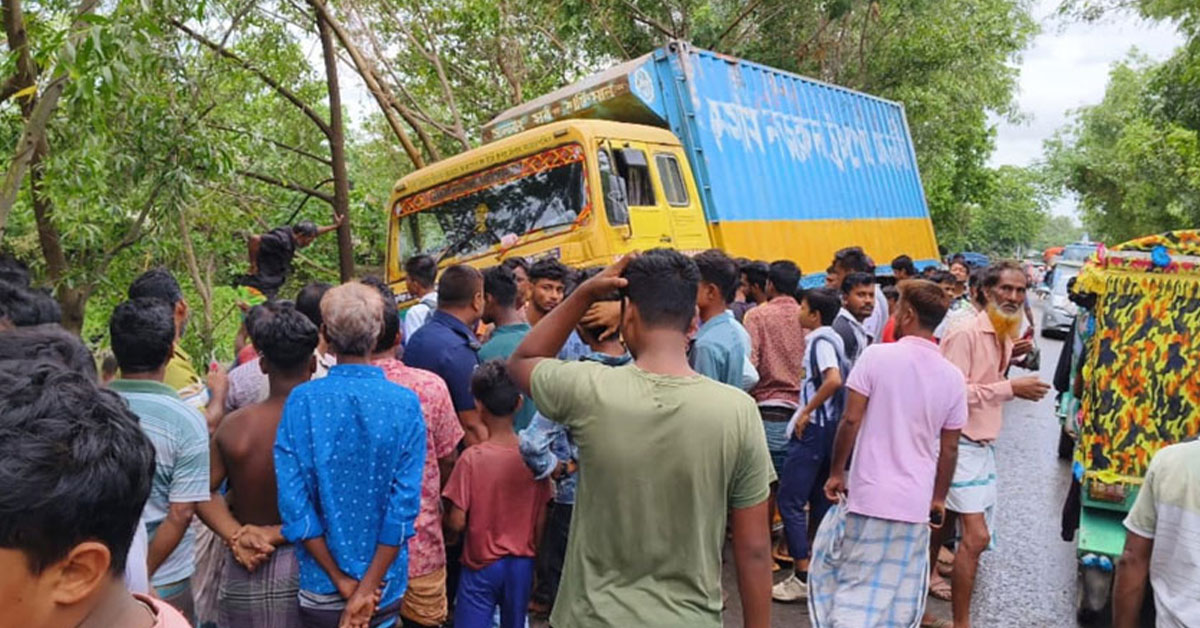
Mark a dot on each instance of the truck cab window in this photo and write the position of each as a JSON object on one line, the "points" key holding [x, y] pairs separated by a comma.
{"points": [[616, 208], [672, 179], [633, 167]]}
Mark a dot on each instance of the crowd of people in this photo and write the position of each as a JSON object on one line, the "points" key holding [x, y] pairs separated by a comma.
{"points": [[525, 439]]}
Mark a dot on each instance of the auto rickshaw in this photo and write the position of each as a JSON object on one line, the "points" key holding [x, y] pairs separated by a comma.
{"points": [[1139, 387]]}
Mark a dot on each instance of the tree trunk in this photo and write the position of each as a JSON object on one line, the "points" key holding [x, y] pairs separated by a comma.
{"points": [[72, 299], [337, 152]]}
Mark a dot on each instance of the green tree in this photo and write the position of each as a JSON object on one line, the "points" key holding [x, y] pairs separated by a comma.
{"points": [[1012, 215], [1135, 170]]}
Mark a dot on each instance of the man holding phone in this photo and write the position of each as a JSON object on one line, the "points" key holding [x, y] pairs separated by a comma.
{"points": [[905, 409]]}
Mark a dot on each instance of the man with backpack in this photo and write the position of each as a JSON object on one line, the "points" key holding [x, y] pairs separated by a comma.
{"points": [[811, 431], [858, 302]]}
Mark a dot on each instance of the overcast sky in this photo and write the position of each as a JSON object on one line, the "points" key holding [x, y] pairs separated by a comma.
{"points": [[1066, 67]]}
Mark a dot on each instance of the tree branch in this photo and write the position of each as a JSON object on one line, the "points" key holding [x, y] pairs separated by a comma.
{"points": [[639, 16], [738, 20], [286, 93], [287, 185], [287, 147]]}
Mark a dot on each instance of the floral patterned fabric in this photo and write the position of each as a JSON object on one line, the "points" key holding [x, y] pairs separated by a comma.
{"points": [[426, 550]]}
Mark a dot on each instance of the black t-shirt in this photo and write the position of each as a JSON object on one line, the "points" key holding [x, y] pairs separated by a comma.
{"points": [[275, 251]]}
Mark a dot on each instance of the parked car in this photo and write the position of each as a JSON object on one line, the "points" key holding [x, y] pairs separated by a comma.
{"points": [[1060, 311]]}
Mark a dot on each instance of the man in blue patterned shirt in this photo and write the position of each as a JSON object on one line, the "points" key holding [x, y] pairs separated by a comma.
{"points": [[349, 457]]}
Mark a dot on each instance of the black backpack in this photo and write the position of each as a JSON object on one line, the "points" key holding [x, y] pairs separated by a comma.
{"points": [[845, 329]]}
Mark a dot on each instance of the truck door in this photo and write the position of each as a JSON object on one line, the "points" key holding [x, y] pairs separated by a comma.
{"points": [[649, 218], [680, 198]]}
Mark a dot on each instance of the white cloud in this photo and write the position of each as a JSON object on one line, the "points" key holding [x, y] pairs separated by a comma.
{"points": [[1067, 67]]}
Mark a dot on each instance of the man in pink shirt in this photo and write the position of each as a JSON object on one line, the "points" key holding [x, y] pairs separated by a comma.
{"points": [[982, 348], [904, 412]]}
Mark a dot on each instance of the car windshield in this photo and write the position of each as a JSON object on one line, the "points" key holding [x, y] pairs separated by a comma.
{"points": [[1063, 274], [475, 212], [1077, 252]]}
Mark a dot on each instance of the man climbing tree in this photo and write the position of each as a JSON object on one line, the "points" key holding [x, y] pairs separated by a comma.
{"points": [[271, 254]]}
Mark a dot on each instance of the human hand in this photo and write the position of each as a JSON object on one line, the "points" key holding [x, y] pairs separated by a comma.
{"points": [[1029, 387], [606, 314], [801, 423], [251, 545], [360, 607], [338, 219], [1022, 347], [608, 279], [835, 487], [218, 379], [937, 514]]}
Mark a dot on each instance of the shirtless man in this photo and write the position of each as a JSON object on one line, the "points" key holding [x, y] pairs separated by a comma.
{"points": [[263, 577]]}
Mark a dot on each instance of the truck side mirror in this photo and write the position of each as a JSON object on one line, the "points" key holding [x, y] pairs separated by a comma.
{"points": [[616, 206]]}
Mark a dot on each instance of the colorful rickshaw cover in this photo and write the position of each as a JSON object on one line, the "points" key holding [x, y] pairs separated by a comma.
{"points": [[1142, 369]]}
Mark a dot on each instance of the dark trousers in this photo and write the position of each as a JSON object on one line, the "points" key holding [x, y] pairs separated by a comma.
{"points": [[803, 483], [505, 583], [552, 553]]}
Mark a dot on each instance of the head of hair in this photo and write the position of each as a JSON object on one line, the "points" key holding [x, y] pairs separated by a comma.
{"points": [[663, 285], [853, 259], [285, 337], [391, 316], [142, 331], [27, 307], [422, 269], [308, 301], [513, 263], [927, 300], [756, 273], [978, 277], [549, 268], [719, 270], [855, 279], [942, 276], [495, 390], [501, 284], [458, 285], [905, 264], [785, 276], [156, 283], [891, 293], [49, 343], [305, 228], [824, 301], [353, 318], [14, 271], [76, 465], [991, 278]]}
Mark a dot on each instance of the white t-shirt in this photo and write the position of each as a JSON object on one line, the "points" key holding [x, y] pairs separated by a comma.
{"points": [[136, 578], [825, 343], [419, 314], [1167, 510]]}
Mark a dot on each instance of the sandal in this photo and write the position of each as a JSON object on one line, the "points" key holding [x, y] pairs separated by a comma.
{"points": [[940, 589], [936, 622], [945, 570]]}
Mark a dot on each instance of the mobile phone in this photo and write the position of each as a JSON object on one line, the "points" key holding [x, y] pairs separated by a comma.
{"points": [[936, 517]]}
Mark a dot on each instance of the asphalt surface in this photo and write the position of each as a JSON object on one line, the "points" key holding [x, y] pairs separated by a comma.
{"points": [[1028, 580]]}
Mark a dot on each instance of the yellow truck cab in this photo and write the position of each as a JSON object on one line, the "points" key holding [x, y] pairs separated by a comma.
{"points": [[680, 148], [583, 191]]}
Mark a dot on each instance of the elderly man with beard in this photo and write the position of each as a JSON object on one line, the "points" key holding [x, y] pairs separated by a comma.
{"points": [[982, 348]]}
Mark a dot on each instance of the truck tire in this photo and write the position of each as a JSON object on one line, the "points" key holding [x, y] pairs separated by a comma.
{"points": [[1094, 596]]}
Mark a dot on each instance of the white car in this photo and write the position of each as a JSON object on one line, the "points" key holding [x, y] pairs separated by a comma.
{"points": [[1060, 311]]}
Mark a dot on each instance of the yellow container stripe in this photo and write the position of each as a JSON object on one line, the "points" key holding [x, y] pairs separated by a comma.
{"points": [[812, 243]]}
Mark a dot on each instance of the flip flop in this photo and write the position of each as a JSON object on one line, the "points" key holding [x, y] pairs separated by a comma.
{"points": [[944, 570], [936, 622], [940, 589]]}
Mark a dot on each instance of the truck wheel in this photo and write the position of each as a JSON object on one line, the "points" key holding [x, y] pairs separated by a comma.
{"points": [[1094, 595], [1066, 445]]}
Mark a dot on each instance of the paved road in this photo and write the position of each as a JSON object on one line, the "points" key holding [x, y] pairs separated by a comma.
{"points": [[1028, 581]]}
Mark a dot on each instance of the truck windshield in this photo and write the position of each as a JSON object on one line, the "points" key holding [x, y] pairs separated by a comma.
{"points": [[473, 213]]}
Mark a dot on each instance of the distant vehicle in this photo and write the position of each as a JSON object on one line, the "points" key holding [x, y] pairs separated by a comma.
{"points": [[1060, 311], [975, 260], [1078, 252]]}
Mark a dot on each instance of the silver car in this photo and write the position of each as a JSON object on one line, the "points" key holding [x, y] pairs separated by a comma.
{"points": [[1059, 310]]}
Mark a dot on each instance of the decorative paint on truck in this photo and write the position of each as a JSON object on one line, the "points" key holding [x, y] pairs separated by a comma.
{"points": [[779, 165]]}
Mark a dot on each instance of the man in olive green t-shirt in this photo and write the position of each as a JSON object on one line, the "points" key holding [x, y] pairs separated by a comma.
{"points": [[665, 455]]}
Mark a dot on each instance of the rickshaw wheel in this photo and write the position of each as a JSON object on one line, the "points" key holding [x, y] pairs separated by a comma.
{"points": [[1093, 595]]}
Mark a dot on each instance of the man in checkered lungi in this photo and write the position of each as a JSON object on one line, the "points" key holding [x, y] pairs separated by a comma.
{"points": [[905, 408]]}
